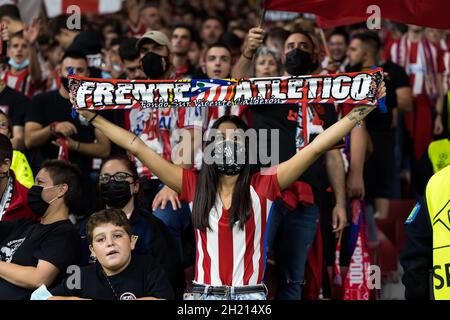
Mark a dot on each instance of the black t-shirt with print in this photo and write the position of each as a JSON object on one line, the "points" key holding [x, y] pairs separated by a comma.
{"points": [[52, 107], [143, 277], [288, 118], [153, 239], [15, 105], [25, 242]]}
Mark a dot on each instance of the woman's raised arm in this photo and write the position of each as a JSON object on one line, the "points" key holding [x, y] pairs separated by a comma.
{"points": [[170, 174]]}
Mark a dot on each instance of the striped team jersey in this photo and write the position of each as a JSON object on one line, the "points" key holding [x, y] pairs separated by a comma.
{"points": [[233, 257], [160, 128], [422, 62], [20, 82]]}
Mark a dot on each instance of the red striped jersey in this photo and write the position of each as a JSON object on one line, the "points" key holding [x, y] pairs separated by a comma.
{"points": [[233, 257], [159, 129], [422, 62], [20, 82]]}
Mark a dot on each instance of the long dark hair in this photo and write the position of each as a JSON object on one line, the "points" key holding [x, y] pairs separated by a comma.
{"points": [[207, 186]]}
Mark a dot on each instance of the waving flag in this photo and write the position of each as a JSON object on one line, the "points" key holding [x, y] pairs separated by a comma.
{"points": [[429, 13], [57, 7]]}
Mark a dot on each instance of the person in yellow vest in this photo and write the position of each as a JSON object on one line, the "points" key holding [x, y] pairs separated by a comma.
{"points": [[439, 154], [19, 163], [426, 255]]}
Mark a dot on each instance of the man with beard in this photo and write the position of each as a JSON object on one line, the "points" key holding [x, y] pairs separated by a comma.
{"points": [[363, 53], [294, 219]]}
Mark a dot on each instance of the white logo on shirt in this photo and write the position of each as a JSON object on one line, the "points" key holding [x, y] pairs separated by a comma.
{"points": [[127, 296], [7, 252]]}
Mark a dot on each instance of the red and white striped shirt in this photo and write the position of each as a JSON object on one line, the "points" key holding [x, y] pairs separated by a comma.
{"points": [[233, 257], [422, 62], [443, 44], [20, 82], [159, 129]]}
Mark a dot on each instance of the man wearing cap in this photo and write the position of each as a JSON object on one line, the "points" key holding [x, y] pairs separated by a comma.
{"points": [[162, 129], [154, 52]]}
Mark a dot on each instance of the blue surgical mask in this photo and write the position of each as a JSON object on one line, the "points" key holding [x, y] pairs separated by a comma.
{"points": [[19, 66]]}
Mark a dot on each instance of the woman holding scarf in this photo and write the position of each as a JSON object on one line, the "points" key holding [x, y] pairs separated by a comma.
{"points": [[230, 200]]}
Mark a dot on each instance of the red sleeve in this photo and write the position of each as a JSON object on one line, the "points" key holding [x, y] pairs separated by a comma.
{"points": [[440, 60], [188, 185], [344, 109], [266, 183]]}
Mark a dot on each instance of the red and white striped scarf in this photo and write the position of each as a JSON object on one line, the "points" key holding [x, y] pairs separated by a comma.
{"points": [[423, 73]]}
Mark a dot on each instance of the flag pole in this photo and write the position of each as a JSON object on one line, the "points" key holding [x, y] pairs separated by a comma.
{"points": [[263, 15], [325, 45]]}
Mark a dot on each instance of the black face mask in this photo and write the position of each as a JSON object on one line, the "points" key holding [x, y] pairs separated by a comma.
{"points": [[154, 65], [35, 201], [298, 62], [65, 83], [115, 194], [229, 157]]}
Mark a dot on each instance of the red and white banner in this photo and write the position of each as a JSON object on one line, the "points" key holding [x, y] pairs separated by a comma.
{"points": [[429, 13], [58, 7], [356, 284], [350, 88]]}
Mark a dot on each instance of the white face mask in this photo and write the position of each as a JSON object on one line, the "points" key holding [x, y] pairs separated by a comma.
{"points": [[19, 66]]}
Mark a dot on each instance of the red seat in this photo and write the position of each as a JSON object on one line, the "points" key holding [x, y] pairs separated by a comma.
{"points": [[391, 235]]}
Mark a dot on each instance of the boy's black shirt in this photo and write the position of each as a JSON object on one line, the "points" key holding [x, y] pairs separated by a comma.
{"points": [[143, 277]]}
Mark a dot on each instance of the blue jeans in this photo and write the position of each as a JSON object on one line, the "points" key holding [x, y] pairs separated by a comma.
{"points": [[232, 296], [294, 232]]}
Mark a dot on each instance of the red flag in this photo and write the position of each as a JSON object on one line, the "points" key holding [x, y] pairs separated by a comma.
{"points": [[355, 283], [63, 153], [57, 7], [429, 13]]}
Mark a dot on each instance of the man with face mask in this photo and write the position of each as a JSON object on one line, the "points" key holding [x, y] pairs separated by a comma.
{"points": [[34, 253], [297, 215], [50, 118], [161, 129]]}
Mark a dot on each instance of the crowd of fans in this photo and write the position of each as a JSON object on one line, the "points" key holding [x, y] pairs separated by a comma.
{"points": [[58, 213]]}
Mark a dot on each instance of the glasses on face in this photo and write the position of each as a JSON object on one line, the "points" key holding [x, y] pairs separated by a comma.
{"points": [[118, 176]]}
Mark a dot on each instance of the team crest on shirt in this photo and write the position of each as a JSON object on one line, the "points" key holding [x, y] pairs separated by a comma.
{"points": [[127, 296], [7, 252], [4, 108]]}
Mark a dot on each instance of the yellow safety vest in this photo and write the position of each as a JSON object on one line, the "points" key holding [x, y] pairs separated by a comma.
{"points": [[439, 154], [22, 169], [438, 202]]}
